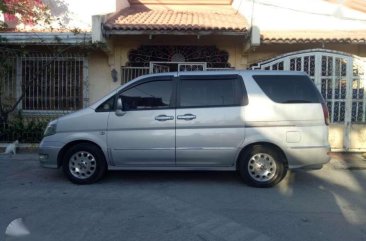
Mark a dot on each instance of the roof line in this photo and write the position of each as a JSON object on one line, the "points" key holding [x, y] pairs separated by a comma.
{"points": [[176, 32], [44, 37], [309, 36], [180, 4]]}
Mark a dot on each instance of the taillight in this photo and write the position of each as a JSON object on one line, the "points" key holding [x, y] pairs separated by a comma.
{"points": [[326, 113]]}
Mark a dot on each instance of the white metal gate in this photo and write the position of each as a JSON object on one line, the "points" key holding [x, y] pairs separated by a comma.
{"points": [[160, 67], [182, 67], [340, 78], [129, 73]]}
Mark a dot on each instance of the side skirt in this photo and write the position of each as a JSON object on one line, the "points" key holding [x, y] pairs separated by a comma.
{"points": [[147, 168]]}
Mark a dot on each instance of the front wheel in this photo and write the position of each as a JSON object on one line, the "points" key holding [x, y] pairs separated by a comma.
{"points": [[84, 163], [262, 166]]}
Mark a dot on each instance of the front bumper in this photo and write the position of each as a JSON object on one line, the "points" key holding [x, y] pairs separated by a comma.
{"points": [[48, 153]]}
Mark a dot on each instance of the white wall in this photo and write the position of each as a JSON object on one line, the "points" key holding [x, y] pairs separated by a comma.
{"points": [[300, 15]]}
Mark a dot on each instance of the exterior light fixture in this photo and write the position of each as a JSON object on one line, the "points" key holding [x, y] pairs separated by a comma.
{"points": [[114, 75]]}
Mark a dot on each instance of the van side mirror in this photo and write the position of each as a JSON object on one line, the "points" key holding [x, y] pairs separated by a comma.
{"points": [[119, 110]]}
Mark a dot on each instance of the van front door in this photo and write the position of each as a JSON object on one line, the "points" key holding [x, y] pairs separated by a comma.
{"points": [[142, 133]]}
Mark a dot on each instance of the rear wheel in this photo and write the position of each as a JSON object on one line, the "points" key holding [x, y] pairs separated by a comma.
{"points": [[262, 166], [84, 163]]}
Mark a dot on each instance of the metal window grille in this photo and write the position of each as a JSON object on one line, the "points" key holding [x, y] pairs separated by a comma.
{"points": [[52, 83], [130, 73]]}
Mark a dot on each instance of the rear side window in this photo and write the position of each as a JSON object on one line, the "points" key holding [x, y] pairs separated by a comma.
{"points": [[288, 88], [210, 91]]}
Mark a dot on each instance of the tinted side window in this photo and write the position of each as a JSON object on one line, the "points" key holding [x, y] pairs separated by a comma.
{"points": [[208, 92], [288, 88], [107, 105], [150, 95]]}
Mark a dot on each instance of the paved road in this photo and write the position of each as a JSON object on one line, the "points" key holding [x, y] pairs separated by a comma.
{"points": [[329, 204]]}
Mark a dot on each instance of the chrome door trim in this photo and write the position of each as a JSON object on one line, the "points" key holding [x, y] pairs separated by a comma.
{"points": [[186, 117], [206, 148], [164, 117]]}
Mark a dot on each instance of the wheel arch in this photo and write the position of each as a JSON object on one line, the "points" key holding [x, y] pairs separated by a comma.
{"points": [[246, 148], [64, 149]]}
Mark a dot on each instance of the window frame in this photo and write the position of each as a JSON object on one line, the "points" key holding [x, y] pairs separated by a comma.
{"points": [[240, 90], [147, 80]]}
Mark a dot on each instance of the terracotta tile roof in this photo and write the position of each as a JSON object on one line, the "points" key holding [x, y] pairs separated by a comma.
{"points": [[288, 37], [359, 5], [142, 18]]}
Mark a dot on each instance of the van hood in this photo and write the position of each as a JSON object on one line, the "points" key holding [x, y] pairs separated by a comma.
{"points": [[83, 120]]}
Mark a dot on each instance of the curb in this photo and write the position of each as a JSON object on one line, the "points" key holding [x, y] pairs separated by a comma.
{"points": [[349, 161], [22, 148], [30, 156]]}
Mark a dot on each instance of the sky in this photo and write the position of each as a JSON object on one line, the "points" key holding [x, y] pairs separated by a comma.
{"points": [[83, 10], [266, 14]]}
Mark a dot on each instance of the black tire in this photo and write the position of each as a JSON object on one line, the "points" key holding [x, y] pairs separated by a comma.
{"points": [[92, 160], [262, 166]]}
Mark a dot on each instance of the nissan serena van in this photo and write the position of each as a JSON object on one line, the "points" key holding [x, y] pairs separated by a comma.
{"points": [[259, 123]]}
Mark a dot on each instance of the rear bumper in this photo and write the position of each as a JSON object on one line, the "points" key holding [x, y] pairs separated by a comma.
{"points": [[308, 157], [48, 153]]}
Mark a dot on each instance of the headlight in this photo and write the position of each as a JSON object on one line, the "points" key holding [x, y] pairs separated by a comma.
{"points": [[50, 130]]}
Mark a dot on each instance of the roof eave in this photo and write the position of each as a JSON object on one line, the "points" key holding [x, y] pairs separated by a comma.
{"points": [[51, 38], [109, 33], [314, 41]]}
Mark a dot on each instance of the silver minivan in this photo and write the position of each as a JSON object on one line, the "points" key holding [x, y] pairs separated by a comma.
{"points": [[259, 123]]}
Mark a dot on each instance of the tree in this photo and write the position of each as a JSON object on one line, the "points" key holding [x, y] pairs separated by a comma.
{"points": [[6, 97], [28, 12]]}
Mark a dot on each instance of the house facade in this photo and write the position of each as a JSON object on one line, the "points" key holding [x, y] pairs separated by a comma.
{"points": [[151, 36]]}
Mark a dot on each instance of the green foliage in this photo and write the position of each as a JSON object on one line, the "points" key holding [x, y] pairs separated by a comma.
{"points": [[7, 98], [26, 131], [28, 12], [75, 31]]}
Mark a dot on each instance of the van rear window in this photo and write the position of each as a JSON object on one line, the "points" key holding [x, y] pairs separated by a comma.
{"points": [[288, 88]]}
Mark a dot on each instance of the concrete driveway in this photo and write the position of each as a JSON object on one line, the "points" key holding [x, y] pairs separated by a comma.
{"points": [[328, 204]]}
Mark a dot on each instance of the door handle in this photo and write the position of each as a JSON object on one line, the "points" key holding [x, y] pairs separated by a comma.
{"points": [[186, 117], [164, 118]]}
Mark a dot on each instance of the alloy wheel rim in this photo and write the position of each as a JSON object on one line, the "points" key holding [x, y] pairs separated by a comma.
{"points": [[82, 164], [262, 167]]}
